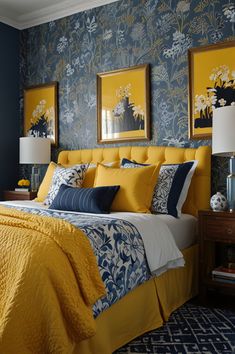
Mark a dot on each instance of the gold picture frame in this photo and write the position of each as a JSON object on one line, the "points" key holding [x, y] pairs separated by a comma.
{"points": [[211, 85], [41, 111], [123, 107]]}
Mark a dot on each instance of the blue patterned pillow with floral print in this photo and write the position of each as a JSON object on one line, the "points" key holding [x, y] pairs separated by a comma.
{"points": [[71, 176]]}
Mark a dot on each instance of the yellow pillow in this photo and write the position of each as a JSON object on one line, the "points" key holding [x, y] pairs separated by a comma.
{"points": [[136, 186], [89, 177], [46, 183], [90, 173]]}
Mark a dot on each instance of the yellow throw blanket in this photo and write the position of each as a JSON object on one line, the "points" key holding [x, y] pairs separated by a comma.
{"points": [[49, 280]]}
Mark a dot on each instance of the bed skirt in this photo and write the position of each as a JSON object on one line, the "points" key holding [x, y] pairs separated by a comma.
{"points": [[145, 308]]}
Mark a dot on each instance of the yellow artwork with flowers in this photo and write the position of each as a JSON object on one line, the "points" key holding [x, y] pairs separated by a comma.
{"points": [[40, 111], [212, 85], [123, 104]]}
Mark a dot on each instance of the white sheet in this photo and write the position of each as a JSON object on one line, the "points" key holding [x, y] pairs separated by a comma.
{"points": [[160, 246], [184, 229]]}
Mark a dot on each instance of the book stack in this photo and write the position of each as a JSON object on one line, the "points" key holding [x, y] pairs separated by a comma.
{"points": [[21, 189], [224, 274]]}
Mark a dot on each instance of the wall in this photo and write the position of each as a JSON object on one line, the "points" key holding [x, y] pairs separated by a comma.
{"points": [[9, 106], [129, 32]]}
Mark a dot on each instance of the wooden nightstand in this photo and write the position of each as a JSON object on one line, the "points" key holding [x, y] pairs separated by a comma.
{"points": [[216, 236], [18, 195]]}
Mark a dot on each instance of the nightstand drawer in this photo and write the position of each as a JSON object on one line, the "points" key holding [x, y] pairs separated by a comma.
{"points": [[221, 229], [18, 195]]}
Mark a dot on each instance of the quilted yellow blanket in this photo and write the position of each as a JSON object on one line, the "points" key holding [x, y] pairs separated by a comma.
{"points": [[49, 281]]}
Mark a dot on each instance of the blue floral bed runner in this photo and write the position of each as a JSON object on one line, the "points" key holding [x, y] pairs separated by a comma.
{"points": [[119, 250]]}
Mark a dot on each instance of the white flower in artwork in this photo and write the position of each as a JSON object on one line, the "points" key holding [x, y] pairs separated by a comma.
{"points": [[222, 102], [200, 103], [119, 109], [107, 35], [224, 76], [211, 100], [63, 42], [123, 92], [50, 113], [138, 111], [213, 77], [232, 103], [183, 6], [221, 72]]}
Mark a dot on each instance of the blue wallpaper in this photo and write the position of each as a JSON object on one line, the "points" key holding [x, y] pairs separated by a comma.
{"points": [[125, 33]]}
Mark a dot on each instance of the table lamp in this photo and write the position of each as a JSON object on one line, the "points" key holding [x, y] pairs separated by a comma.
{"points": [[35, 151], [223, 144]]}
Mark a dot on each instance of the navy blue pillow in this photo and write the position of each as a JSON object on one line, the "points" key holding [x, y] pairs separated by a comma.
{"points": [[88, 200]]}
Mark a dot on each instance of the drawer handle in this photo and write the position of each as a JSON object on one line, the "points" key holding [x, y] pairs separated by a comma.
{"points": [[229, 231]]}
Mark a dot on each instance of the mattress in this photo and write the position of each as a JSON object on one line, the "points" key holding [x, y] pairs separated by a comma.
{"points": [[183, 229]]}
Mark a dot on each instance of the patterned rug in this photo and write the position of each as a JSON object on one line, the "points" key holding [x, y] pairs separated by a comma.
{"points": [[190, 329]]}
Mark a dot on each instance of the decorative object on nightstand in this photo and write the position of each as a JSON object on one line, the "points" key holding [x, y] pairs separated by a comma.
{"points": [[218, 202], [35, 151], [23, 185], [223, 144], [216, 253]]}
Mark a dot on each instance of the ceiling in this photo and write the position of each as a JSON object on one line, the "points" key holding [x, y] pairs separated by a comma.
{"points": [[23, 14]]}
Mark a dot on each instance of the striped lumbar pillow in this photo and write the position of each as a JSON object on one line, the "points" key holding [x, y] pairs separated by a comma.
{"points": [[88, 200]]}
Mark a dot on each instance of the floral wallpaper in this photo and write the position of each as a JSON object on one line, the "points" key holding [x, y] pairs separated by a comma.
{"points": [[74, 49]]}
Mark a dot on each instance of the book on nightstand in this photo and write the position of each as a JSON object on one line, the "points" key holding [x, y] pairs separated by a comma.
{"points": [[223, 279], [22, 189], [224, 274]]}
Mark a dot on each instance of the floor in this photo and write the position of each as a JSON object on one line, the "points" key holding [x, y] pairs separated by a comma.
{"points": [[191, 329]]}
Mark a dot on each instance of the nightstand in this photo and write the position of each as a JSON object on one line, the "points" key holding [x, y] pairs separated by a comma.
{"points": [[18, 195], [216, 238]]}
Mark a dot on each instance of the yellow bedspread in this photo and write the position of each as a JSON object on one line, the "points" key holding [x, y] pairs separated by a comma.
{"points": [[49, 281]]}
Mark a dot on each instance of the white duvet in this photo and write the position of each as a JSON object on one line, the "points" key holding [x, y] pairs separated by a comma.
{"points": [[160, 247]]}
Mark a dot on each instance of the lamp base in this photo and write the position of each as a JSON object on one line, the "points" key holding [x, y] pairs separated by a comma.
{"points": [[35, 179], [231, 185]]}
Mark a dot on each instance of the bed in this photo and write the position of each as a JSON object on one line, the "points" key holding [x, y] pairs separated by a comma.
{"points": [[150, 304]]}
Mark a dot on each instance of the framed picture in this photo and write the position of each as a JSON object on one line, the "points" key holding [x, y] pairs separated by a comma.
{"points": [[211, 85], [123, 105], [40, 111]]}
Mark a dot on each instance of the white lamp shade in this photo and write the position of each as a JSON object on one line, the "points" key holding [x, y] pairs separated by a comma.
{"points": [[223, 131], [35, 150]]}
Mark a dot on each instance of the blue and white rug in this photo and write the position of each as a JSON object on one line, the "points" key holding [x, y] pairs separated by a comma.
{"points": [[190, 330]]}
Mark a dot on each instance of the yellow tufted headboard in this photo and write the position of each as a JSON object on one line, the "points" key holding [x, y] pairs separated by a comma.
{"points": [[199, 192]]}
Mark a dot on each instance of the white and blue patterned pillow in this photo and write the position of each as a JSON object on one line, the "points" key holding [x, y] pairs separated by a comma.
{"points": [[71, 176], [171, 187]]}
